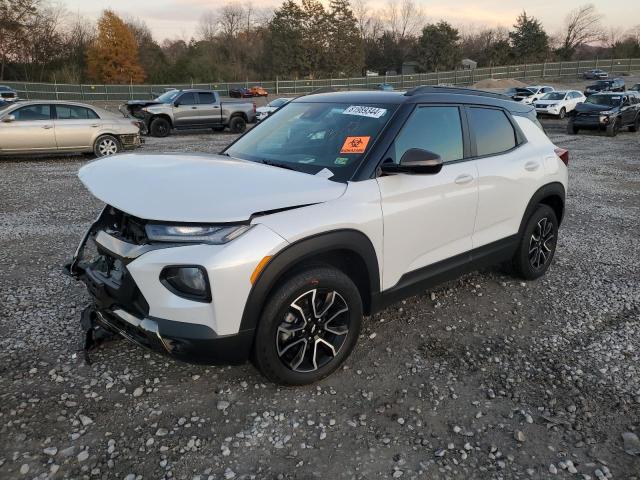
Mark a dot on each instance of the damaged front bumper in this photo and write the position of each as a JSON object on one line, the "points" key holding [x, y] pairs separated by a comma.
{"points": [[120, 308]]}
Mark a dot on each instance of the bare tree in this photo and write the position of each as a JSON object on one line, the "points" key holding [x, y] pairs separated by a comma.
{"points": [[582, 25], [231, 19], [15, 16], [208, 26], [404, 19]]}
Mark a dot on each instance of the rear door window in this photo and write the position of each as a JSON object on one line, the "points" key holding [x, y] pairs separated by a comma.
{"points": [[74, 112], [433, 128], [494, 133], [206, 98]]}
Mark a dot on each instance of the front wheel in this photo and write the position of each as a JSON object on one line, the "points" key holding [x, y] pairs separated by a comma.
{"points": [[563, 113], [537, 245], [106, 145], [612, 129], [636, 125], [160, 127], [308, 327]]}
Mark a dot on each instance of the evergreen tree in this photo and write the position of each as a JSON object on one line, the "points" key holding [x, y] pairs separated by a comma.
{"points": [[113, 55], [529, 41], [346, 53], [439, 47], [284, 46]]}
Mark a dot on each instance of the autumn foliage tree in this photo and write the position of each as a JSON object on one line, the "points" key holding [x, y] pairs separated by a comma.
{"points": [[113, 55]]}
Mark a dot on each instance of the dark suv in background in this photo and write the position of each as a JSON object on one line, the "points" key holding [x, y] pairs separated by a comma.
{"points": [[607, 111], [614, 85]]}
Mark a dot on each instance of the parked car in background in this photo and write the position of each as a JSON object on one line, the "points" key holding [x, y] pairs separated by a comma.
{"points": [[258, 92], [8, 94], [607, 111], [35, 127], [188, 109], [595, 74], [385, 87], [340, 205], [269, 108], [537, 91], [240, 92], [635, 88], [613, 85], [559, 103]]}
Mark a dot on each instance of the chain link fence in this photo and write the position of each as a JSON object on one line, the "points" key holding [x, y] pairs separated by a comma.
{"points": [[89, 92]]}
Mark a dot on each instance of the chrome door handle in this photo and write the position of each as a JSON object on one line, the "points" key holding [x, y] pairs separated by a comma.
{"points": [[532, 166], [47, 127], [463, 179]]}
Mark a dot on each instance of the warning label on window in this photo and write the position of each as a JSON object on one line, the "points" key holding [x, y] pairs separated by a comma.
{"points": [[355, 144]]}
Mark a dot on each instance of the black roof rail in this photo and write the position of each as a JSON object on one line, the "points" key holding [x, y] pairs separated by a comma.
{"points": [[459, 90]]}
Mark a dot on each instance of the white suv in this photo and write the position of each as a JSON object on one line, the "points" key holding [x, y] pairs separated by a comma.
{"points": [[332, 208]]}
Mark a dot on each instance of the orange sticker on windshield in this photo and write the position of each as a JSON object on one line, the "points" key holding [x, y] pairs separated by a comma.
{"points": [[355, 144]]}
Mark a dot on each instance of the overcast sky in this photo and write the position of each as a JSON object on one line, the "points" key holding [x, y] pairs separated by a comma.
{"points": [[179, 18]]}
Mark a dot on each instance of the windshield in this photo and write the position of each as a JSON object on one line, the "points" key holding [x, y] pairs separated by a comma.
{"points": [[554, 96], [605, 100], [330, 138], [524, 91], [278, 102], [168, 97]]}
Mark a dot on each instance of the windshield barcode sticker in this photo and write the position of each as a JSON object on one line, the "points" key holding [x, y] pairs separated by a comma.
{"points": [[362, 111]]}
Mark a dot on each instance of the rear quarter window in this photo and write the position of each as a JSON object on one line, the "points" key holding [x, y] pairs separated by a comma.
{"points": [[494, 133]]}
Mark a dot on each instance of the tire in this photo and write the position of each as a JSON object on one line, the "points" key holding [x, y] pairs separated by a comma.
{"points": [[237, 125], [160, 127], [538, 244], [635, 127], [563, 113], [572, 129], [106, 145], [291, 351], [612, 130]]}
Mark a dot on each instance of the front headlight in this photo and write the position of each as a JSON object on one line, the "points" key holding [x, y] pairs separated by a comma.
{"points": [[213, 234]]}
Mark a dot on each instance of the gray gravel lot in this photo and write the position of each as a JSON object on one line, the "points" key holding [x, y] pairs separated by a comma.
{"points": [[485, 377]]}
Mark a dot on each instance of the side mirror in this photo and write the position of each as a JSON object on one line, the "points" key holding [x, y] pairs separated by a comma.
{"points": [[9, 119], [176, 103], [415, 161]]}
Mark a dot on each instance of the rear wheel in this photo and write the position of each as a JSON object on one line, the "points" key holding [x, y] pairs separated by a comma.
{"points": [[308, 327], [237, 125], [537, 245], [106, 145], [160, 127]]}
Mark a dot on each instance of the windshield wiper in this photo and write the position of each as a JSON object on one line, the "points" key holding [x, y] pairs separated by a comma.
{"points": [[278, 164]]}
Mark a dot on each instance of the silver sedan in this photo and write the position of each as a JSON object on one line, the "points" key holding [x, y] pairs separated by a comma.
{"points": [[45, 127]]}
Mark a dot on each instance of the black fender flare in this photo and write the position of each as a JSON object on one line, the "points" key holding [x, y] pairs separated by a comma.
{"points": [[555, 189], [284, 261]]}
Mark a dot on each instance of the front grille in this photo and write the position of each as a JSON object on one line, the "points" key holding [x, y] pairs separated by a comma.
{"points": [[129, 140], [125, 227]]}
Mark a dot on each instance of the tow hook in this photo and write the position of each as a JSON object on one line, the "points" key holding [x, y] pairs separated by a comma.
{"points": [[94, 335]]}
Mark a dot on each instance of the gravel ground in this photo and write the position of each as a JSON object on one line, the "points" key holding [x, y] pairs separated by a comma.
{"points": [[485, 377]]}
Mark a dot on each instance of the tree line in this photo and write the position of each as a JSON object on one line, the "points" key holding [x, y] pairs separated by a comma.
{"points": [[40, 41]]}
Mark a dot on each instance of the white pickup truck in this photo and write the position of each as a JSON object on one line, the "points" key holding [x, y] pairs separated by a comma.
{"points": [[191, 109]]}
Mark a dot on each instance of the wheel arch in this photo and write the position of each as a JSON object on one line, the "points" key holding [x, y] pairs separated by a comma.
{"points": [[553, 195], [348, 250], [239, 114], [161, 115]]}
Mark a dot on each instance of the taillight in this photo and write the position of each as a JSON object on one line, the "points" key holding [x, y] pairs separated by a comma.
{"points": [[563, 155]]}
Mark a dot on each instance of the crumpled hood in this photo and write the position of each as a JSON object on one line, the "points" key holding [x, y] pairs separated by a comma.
{"points": [[201, 188], [592, 108]]}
